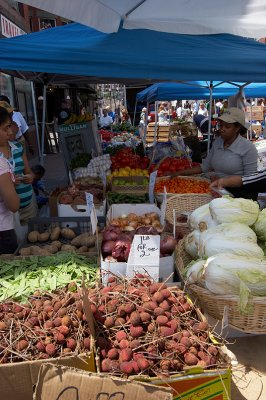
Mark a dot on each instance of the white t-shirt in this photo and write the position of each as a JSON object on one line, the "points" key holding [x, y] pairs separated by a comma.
{"points": [[21, 123], [105, 121], [203, 111], [6, 216]]}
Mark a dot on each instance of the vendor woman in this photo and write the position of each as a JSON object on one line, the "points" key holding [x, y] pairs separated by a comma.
{"points": [[231, 153]]}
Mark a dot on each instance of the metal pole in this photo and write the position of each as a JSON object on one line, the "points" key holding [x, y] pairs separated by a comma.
{"points": [[135, 110], [146, 124], [249, 131], [35, 119], [210, 120], [43, 122], [156, 122]]}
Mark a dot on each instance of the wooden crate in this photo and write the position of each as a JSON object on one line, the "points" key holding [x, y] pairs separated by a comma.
{"points": [[257, 113]]}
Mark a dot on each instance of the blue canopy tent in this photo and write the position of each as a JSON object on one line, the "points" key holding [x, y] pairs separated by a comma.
{"points": [[95, 56], [189, 90], [75, 49], [198, 90]]}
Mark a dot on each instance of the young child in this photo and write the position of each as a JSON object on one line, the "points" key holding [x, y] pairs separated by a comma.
{"points": [[38, 185]]}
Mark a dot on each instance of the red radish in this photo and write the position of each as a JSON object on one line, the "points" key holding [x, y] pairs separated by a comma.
{"points": [[120, 321], [50, 349], [113, 354], [145, 317], [40, 346], [143, 363], [22, 345], [106, 365], [109, 322], [158, 311], [64, 330], [66, 320], [136, 331], [190, 359], [165, 331], [134, 344], [87, 343], [57, 321], [164, 305], [158, 296], [126, 367], [124, 344], [125, 355], [120, 335], [161, 320], [135, 318], [59, 338]]}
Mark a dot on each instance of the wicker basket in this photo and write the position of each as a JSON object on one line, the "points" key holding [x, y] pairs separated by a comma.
{"points": [[215, 305], [128, 187], [184, 203]]}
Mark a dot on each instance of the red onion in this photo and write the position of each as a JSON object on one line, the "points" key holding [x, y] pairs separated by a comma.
{"points": [[110, 234], [121, 250], [167, 245], [107, 247]]}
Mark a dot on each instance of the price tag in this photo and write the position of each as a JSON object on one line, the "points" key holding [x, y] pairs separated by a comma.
{"points": [[153, 176], [163, 207], [145, 250], [94, 220], [144, 255], [89, 201]]}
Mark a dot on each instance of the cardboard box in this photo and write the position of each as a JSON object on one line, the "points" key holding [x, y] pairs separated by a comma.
{"points": [[166, 269], [196, 385], [61, 383], [17, 380], [68, 210], [116, 210], [257, 113]]}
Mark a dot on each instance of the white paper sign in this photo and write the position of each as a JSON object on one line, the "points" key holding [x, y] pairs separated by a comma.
{"points": [[145, 251], [94, 220], [153, 176], [144, 256], [163, 207], [89, 201]]}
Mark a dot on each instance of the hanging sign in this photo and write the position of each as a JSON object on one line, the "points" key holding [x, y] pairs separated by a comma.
{"points": [[89, 201]]}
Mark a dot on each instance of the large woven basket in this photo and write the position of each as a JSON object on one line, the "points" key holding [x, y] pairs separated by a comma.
{"points": [[184, 203], [217, 306]]}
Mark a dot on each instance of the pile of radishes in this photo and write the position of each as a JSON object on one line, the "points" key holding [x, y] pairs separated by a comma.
{"points": [[48, 326], [147, 328]]}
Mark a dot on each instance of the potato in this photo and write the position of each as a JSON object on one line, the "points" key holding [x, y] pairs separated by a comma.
{"points": [[55, 233], [43, 237], [33, 236], [84, 240], [38, 251], [68, 233], [82, 249], [51, 248], [57, 243], [25, 251], [68, 248]]}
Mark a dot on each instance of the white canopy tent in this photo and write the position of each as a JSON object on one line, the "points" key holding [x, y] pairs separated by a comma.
{"points": [[239, 17]]}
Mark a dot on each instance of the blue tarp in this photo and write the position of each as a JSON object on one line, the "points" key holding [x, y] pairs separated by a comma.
{"points": [[138, 54], [198, 90]]}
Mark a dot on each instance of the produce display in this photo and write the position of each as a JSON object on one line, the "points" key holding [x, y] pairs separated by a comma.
{"points": [[81, 160], [181, 185], [127, 171], [149, 329], [20, 278], [74, 119], [118, 236], [126, 157], [229, 258], [127, 198], [58, 239], [47, 325], [170, 165], [75, 194], [99, 165]]}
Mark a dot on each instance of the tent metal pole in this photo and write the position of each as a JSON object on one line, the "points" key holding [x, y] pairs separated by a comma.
{"points": [[146, 125], [35, 118], [43, 122], [210, 120], [156, 122], [135, 110], [249, 131]]}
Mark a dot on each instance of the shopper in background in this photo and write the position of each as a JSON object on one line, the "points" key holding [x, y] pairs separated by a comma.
{"points": [[125, 117], [63, 113], [202, 110], [23, 130], [9, 200], [105, 121], [38, 185], [162, 114], [231, 154]]}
